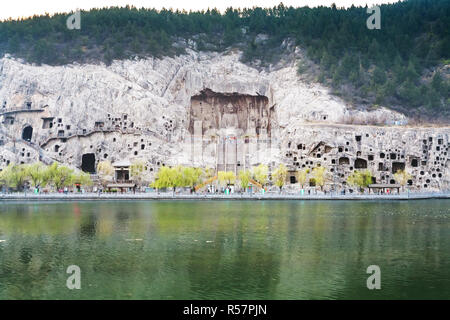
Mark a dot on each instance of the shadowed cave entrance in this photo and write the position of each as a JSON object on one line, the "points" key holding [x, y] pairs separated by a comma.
{"points": [[27, 133], [396, 166], [344, 161], [88, 163], [360, 163]]}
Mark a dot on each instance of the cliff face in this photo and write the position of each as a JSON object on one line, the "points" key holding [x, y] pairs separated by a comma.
{"points": [[149, 109]]}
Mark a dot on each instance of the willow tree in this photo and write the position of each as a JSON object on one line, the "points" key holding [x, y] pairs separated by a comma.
{"points": [[402, 177], [83, 178], [105, 172], [167, 178], [191, 176], [360, 179], [14, 176], [137, 169], [302, 176], [208, 173], [226, 177], [261, 174], [280, 175], [60, 176], [38, 173], [320, 175], [244, 178]]}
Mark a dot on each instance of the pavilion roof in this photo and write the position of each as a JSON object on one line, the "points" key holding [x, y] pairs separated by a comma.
{"points": [[122, 163]]}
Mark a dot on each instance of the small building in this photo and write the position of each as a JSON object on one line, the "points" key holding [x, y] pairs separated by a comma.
{"points": [[122, 180], [384, 188]]}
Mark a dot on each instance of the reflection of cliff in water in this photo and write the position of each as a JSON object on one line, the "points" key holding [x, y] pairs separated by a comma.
{"points": [[226, 249]]}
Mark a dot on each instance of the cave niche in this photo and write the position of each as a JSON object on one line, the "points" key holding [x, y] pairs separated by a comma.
{"points": [[88, 163], [344, 161], [27, 133], [396, 166], [360, 163]]}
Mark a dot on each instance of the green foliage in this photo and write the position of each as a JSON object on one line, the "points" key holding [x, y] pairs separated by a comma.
{"points": [[60, 176], [226, 178], [360, 179], [137, 169], [82, 178], [379, 76], [178, 177], [244, 178], [191, 176], [279, 176], [14, 176], [302, 176], [261, 174], [320, 175], [105, 171], [413, 38], [167, 178], [38, 174], [402, 177]]}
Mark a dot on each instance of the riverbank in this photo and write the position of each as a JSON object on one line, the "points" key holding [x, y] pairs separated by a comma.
{"points": [[170, 196]]}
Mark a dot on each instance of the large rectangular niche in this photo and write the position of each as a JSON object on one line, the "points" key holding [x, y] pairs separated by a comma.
{"points": [[228, 129]]}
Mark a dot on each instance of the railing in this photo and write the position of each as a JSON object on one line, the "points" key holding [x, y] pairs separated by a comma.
{"points": [[236, 196]]}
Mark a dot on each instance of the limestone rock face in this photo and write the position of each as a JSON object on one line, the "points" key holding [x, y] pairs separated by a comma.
{"points": [[142, 109]]}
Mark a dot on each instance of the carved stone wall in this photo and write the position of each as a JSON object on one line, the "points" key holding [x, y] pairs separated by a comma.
{"points": [[227, 129]]}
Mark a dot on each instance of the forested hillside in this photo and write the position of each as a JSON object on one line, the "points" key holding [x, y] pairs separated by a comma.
{"points": [[404, 65]]}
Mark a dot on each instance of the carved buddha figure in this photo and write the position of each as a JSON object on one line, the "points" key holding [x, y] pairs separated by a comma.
{"points": [[265, 120], [229, 117]]}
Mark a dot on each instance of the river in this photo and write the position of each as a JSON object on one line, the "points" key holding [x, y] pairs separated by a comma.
{"points": [[225, 249]]}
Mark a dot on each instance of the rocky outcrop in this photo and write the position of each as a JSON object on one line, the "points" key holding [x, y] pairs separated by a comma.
{"points": [[143, 109]]}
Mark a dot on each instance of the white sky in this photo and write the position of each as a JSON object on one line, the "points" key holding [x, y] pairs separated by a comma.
{"points": [[25, 8]]}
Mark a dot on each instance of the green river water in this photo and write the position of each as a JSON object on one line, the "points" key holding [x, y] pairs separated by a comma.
{"points": [[225, 249]]}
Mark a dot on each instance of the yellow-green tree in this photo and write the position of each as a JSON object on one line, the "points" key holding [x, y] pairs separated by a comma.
{"points": [[14, 176], [244, 178], [261, 174], [83, 178], [137, 171], [402, 177], [38, 174], [208, 173], [226, 177], [5, 176], [360, 179], [302, 176], [167, 178], [279, 176], [191, 176], [105, 172], [320, 175], [2, 178]]}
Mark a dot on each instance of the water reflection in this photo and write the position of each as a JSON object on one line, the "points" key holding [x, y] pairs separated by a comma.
{"points": [[225, 250]]}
